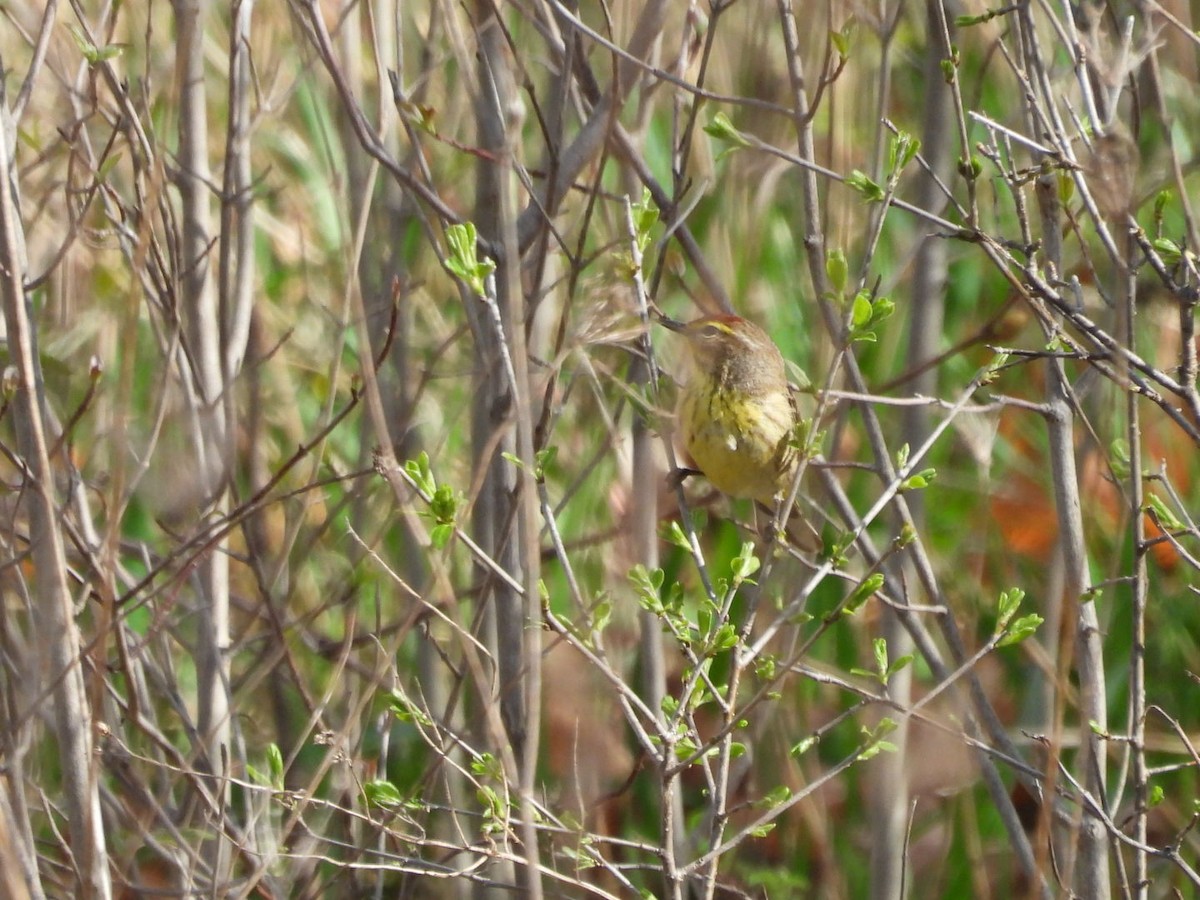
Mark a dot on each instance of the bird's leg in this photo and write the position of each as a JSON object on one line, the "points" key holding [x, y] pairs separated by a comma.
{"points": [[679, 475], [796, 530], [770, 533]]}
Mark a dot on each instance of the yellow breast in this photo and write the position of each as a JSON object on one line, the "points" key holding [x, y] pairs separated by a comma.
{"points": [[740, 442]]}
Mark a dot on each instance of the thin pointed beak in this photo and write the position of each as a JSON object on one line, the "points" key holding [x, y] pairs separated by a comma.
{"points": [[672, 324]]}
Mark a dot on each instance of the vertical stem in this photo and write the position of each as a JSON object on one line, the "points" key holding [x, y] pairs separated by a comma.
{"points": [[1091, 862], [18, 869], [206, 373], [494, 400], [518, 617], [53, 612], [236, 248], [645, 539], [650, 655], [1127, 313], [890, 794]]}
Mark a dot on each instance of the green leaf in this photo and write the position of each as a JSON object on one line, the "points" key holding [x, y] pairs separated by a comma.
{"points": [[881, 654], [722, 129], [763, 830], [725, 638], [806, 438], [1010, 602], [837, 551], [862, 593], [837, 269], [90, 51], [647, 587], [799, 377], [1161, 199], [673, 600], [883, 670], [1066, 188], [463, 260], [684, 748], [443, 505], [383, 793], [902, 149], [601, 614], [418, 114], [672, 533], [920, 481], [1118, 457], [745, 565], [462, 238], [275, 764], [645, 213], [777, 795], [873, 739], [841, 43], [1021, 629], [418, 470], [405, 710], [765, 667], [486, 765], [860, 313], [440, 535], [803, 746], [1166, 517], [869, 189], [998, 362], [543, 460], [881, 310], [651, 578], [1157, 795], [876, 748], [581, 856], [494, 808], [1170, 251]]}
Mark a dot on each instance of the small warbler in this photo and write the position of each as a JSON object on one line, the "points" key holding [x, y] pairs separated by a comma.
{"points": [[736, 413]]}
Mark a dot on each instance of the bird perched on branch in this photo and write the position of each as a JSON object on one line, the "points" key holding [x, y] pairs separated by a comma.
{"points": [[736, 413]]}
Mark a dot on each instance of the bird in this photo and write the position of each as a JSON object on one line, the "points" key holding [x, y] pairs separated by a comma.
{"points": [[736, 413]]}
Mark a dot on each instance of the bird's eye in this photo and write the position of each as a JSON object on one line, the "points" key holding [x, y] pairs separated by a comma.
{"points": [[711, 331]]}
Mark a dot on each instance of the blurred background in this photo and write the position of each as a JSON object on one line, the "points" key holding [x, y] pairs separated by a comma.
{"points": [[370, 574]]}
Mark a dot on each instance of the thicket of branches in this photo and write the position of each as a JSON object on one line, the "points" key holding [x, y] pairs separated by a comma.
{"points": [[341, 552]]}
